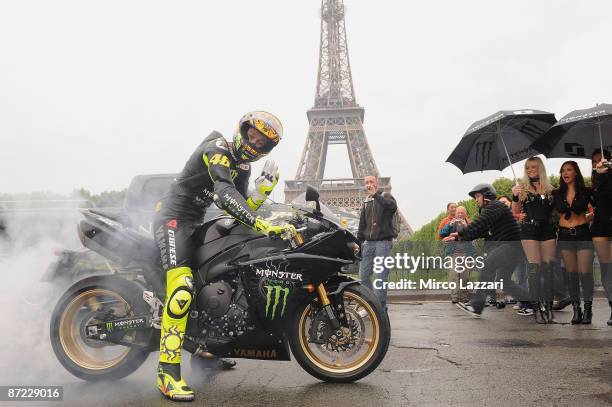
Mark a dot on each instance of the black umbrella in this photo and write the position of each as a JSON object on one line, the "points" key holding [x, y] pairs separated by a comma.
{"points": [[497, 141], [578, 133]]}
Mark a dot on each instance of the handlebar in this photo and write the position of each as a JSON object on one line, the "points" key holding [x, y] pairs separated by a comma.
{"points": [[295, 240]]}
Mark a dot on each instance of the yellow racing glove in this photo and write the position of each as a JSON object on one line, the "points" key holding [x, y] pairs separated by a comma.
{"points": [[264, 184], [286, 231]]}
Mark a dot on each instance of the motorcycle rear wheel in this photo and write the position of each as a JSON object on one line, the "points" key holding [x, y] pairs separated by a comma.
{"points": [[365, 342], [90, 359]]}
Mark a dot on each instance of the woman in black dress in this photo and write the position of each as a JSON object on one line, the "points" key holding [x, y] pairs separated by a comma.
{"points": [[533, 198], [601, 228], [572, 201]]}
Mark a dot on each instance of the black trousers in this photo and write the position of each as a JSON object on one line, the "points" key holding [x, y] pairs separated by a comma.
{"points": [[499, 264]]}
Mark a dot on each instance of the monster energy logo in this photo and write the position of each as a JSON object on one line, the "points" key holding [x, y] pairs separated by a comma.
{"points": [[122, 324], [277, 290]]}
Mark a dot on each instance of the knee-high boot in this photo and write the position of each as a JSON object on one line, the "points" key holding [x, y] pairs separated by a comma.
{"points": [[574, 291], [179, 287], [588, 285], [533, 279], [549, 292], [606, 282]]}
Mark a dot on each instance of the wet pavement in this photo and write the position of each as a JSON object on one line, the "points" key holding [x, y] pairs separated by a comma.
{"points": [[439, 356]]}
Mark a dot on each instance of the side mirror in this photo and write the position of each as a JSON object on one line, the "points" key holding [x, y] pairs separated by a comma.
{"points": [[313, 195]]}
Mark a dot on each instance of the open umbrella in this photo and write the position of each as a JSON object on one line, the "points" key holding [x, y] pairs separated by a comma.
{"points": [[578, 133], [497, 141]]}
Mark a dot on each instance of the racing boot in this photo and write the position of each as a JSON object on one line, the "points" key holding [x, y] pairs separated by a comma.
{"points": [[179, 287], [170, 383], [226, 363], [203, 359], [206, 360]]}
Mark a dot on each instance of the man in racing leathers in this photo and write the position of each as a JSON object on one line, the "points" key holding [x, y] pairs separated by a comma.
{"points": [[218, 171]]}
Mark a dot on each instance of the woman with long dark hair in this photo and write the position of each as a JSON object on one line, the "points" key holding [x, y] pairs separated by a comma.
{"points": [[601, 228], [533, 197], [572, 201]]}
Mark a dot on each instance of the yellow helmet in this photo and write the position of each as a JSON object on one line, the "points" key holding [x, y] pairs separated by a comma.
{"points": [[267, 124]]}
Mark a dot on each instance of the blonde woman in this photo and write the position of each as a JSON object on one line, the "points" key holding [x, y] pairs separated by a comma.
{"points": [[532, 196]]}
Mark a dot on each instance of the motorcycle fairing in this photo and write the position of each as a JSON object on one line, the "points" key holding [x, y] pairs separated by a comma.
{"points": [[255, 345]]}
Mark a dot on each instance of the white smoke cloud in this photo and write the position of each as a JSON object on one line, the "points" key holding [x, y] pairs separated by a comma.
{"points": [[27, 248]]}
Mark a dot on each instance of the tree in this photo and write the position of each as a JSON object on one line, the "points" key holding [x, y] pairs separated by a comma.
{"points": [[110, 198], [425, 240], [503, 186], [101, 200], [554, 181]]}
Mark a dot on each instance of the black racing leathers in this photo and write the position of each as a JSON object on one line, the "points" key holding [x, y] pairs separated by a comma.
{"points": [[211, 174]]}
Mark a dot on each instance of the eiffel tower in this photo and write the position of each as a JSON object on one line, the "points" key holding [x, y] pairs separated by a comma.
{"points": [[336, 118]]}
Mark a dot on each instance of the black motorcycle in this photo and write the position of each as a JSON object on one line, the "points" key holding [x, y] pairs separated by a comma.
{"points": [[254, 297]]}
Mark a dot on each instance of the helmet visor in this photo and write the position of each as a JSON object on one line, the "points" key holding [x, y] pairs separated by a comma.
{"points": [[253, 149], [267, 130]]}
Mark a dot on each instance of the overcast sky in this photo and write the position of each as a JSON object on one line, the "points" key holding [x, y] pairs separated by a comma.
{"points": [[92, 93]]}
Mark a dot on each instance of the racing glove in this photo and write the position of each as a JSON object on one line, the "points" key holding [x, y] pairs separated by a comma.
{"points": [[264, 184], [286, 231]]}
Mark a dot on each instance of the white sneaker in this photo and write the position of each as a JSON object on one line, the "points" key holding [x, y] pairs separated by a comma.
{"points": [[467, 307]]}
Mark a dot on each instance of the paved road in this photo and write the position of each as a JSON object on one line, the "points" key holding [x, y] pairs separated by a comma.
{"points": [[439, 356]]}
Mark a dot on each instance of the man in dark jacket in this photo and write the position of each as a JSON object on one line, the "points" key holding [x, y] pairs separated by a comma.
{"points": [[376, 234], [496, 224]]}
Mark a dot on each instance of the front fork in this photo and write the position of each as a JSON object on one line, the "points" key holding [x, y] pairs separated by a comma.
{"points": [[334, 308]]}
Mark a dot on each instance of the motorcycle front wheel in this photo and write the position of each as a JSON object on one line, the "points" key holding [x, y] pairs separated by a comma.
{"points": [[92, 301], [347, 357]]}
